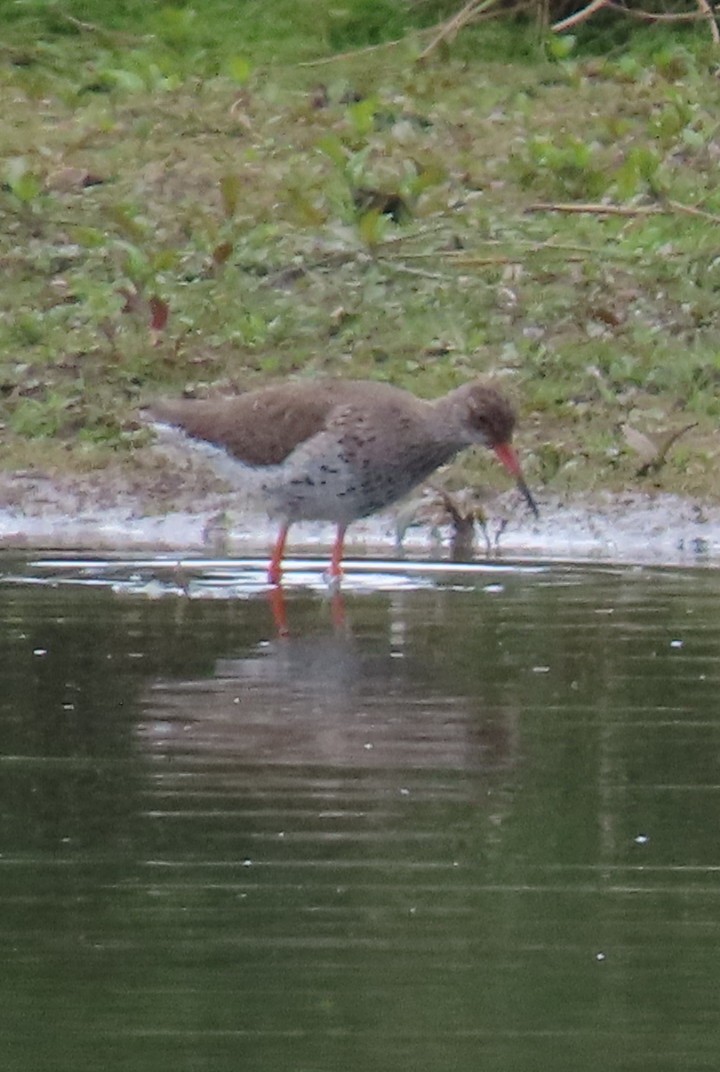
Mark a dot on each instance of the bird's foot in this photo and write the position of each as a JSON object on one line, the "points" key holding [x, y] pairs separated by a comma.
{"points": [[333, 578], [274, 575]]}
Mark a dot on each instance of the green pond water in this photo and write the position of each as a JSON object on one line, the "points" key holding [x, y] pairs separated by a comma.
{"points": [[468, 821]]}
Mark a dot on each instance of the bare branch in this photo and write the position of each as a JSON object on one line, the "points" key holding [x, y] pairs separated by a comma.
{"points": [[656, 16], [602, 209], [353, 52], [707, 11], [115, 36], [452, 27], [580, 16], [595, 209]]}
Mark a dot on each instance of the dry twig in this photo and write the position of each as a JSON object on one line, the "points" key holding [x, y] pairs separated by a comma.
{"points": [[656, 16], [578, 16], [709, 14], [602, 209], [115, 36], [353, 52], [450, 29], [475, 10], [690, 210], [599, 209], [705, 11], [483, 11]]}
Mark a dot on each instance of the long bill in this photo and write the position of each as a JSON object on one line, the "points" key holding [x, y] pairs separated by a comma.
{"points": [[506, 454]]}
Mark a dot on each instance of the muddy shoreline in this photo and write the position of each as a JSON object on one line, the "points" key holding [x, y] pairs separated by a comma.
{"points": [[154, 512]]}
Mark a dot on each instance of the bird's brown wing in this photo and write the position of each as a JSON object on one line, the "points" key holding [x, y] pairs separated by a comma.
{"points": [[260, 427]]}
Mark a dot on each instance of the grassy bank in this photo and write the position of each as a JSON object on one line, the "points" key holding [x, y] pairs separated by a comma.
{"points": [[193, 202]]}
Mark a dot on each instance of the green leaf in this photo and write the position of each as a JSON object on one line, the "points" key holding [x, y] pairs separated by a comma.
{"points": [[371, 228], [90, 237], [135, 263], [23, 183], [693, 138], [239, 69], [38, 419], [27, 187], [126, 223], [426, 179], [230, 193], [627, 180], [308, 212], [129, 81], [362, 115], [560, 47], [164, 260], [334, 149]]}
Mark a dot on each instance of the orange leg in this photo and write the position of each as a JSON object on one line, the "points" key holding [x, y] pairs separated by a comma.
{"points": [[276, 599], [337, 610], [274, 573], [337, 554]]}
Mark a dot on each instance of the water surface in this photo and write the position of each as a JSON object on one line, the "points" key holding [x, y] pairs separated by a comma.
{"points": [[468, 821]]}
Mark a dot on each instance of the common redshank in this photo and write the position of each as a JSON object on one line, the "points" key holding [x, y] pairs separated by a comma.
{"points": [[338, 450]]}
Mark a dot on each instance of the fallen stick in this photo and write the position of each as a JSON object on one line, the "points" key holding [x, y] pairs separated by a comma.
{"points": [[602, 209], [579, 16]]}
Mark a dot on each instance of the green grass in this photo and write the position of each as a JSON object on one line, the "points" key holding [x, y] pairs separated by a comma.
{"points": [[180, 208], [281, 31]]}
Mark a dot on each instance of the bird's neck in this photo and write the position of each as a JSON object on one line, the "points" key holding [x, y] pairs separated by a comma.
{"points": [[447, 419]]}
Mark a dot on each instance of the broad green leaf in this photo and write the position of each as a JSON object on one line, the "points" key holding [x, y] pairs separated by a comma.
{"points": [[362, 115], [560, 47], [239, 69]]}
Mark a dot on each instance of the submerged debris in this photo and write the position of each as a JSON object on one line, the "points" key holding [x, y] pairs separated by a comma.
{"points": [[462, 510]]}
